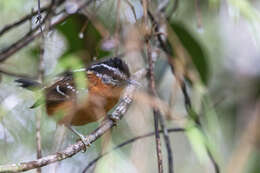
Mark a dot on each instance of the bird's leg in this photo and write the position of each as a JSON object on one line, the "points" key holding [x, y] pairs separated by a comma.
{"points": [[82, 138]]}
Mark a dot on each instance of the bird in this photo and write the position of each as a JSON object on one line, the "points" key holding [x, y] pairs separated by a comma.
{"points": [[105, 82]]}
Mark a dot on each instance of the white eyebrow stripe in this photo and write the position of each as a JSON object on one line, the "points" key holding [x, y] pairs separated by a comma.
{"points": [[110, 68], [106, 66], [79, 70], [60, 92]]}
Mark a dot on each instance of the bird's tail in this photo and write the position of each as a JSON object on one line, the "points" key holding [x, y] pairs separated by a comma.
{"points": [[28, 83], [34, 86]]}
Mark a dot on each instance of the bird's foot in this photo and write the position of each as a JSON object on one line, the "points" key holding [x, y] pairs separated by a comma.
{"points": [[85, 141]]}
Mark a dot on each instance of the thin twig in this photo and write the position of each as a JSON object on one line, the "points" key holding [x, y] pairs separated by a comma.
{"points": [[187, 99], [198, 13], [145, 7], [167, 144], [173, 9], [132, 8], [8, 27], [156, 112], [39, 16], [28, 38], [90, 164], [31, 21], [161, 42], [39, 115], [163, 5], [194, 116], [41, 62], [118, 23], [21, 21], [38, 138], [247, 144], [8, 73], [71, 150]]}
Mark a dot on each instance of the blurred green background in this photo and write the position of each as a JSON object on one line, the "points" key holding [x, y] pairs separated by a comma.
{"points": [[222, 39]]}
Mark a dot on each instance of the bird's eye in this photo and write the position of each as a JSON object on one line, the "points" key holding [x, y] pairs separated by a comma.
{"points": [[119, 63]]}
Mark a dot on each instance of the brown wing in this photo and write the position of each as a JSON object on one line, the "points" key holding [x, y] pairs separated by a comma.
{"points": [[59, 94], [101, 99]]}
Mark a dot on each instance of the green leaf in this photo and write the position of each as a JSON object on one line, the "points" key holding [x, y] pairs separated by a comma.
{"points": [[71, 29], [73, 62], [40, 99], [196, 51], [197, 140], [70, 62], [86, 43]]}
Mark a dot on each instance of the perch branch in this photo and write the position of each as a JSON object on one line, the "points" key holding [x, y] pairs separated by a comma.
{"points": [[71, 150]]}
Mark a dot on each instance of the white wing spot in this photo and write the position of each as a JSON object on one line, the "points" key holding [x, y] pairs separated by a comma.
{"points": [[60, 92]]}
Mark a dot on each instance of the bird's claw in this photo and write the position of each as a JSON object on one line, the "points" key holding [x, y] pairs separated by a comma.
{"points": [[86, 143], [115, 119]]}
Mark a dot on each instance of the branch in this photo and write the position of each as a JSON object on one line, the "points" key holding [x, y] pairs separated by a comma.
{"points": [[41, 79], [12, 74], [167, 144], [156, 112], [13, 48], [187, 100], [8, 27], [28, 38], [38, 137], [198, 14], [71, 150], [129, 142], [172, 10], [21, 21]]}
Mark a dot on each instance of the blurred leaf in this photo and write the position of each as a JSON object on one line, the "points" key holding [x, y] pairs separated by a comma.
{"points": [[211, 118], [214, 3], [87, 43], [71, 29], [40, 99], [38, 102], [72, 62], [257, 88], [253, 165], [200, 139], [11, 4], [80, 80], [107, 163], [35, 52], [197, 140], [93, 41], [195, 50], [3, 112], [246, 9], [249, 12]]}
